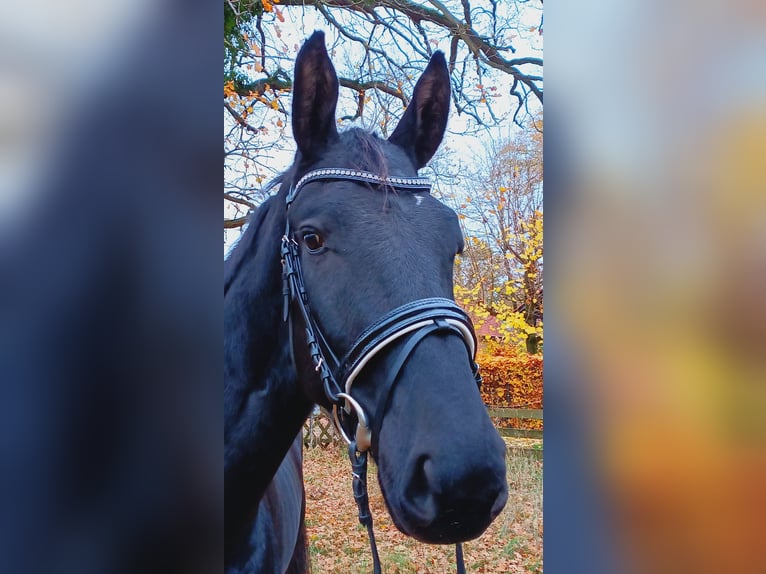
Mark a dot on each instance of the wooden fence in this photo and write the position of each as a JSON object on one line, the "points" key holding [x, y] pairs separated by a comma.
{"points": [[507, 413], [320, 431]]}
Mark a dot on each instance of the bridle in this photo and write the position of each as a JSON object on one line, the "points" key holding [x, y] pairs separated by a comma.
{"points": [[409, 324]]}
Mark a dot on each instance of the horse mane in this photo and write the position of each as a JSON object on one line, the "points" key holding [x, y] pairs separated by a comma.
{"points": [[247, 243]]}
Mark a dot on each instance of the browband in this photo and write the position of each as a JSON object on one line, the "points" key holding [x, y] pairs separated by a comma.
{"points": [[407, 183]]}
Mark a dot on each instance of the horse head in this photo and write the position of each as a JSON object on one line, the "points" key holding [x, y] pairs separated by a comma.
{"points": [[367, 249]]}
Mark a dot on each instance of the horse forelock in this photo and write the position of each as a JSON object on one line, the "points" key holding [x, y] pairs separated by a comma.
{"points": [[366, 151], [356, 148]]}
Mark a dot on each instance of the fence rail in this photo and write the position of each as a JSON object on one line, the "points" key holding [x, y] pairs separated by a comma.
{"points": [[320, 431], [507, 413]]}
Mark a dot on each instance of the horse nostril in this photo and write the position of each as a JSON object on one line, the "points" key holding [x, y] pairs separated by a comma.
{"points": [[451, 501], [419, 483], [421, 491]]}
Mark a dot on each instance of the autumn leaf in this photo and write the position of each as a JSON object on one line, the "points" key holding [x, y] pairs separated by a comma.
{"points": [[339, 545]]}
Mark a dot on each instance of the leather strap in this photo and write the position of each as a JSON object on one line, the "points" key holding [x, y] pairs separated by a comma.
{"points": [[399, 319], [405, 183]]}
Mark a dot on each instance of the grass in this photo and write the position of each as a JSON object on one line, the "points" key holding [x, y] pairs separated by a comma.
{"points": [[338, 543]]}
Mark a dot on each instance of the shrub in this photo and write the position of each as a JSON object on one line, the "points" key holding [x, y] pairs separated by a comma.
{"points": [[512, 379]]}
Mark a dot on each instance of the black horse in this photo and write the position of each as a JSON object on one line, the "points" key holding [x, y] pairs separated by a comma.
{"points": [[370, 243]]}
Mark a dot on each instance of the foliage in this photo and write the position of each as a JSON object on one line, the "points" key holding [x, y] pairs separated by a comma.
{"points": [[500, 273], [512, 380]]}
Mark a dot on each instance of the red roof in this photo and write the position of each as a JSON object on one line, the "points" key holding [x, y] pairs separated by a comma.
{"points": [[489, 327]]}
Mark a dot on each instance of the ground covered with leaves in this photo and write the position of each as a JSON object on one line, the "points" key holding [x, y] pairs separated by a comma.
{"points": [[338, 543]]}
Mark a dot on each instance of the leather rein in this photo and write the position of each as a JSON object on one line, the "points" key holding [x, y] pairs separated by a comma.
{"points": [[408, 324]]}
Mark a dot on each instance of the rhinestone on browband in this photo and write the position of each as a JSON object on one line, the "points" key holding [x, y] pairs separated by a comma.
{"points": [[408, 183]]}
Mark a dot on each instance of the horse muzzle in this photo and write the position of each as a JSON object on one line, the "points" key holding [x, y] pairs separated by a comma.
{"points": [[448, 500]]}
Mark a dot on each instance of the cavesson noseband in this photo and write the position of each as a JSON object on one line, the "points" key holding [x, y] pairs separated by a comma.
{"points": [[408, 324]]}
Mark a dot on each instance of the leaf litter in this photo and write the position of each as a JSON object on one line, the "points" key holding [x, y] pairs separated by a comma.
{"points": [[338, 543]]}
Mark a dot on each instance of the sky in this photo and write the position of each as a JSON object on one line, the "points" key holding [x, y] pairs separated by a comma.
{"points": [[462, 144]]}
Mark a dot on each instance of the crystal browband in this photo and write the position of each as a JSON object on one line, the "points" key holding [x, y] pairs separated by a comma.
{"points": [[406, 183]]}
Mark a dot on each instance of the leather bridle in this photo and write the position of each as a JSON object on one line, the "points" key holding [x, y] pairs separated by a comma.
{"points": [[408, 324]]}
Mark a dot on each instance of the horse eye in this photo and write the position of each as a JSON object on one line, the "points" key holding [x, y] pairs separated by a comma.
{"points": [[313, 241]]}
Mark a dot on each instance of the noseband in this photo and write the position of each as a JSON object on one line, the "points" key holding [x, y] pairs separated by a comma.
{"points": [[408, 324]]}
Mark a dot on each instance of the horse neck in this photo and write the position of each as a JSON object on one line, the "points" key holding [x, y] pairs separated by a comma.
{"points": [[264, 411], [264, 408]]}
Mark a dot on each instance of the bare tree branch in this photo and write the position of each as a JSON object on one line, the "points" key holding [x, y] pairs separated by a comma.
{"points": [[235, 199], [235, 223], [238, 118], [391, 42]]}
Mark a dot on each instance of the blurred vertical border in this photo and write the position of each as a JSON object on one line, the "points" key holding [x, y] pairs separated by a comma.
{"points": [[110, 274], [655, 144]]}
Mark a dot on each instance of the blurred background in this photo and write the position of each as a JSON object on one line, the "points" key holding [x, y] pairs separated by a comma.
{"points": [[656, 283], [110, 315]]}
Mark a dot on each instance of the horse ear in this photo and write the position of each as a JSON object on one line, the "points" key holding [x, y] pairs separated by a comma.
{"points": [[315, 95], [421, 129]]}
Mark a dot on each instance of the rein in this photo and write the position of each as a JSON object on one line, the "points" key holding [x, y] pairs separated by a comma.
{"points": [[409, 323]]}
